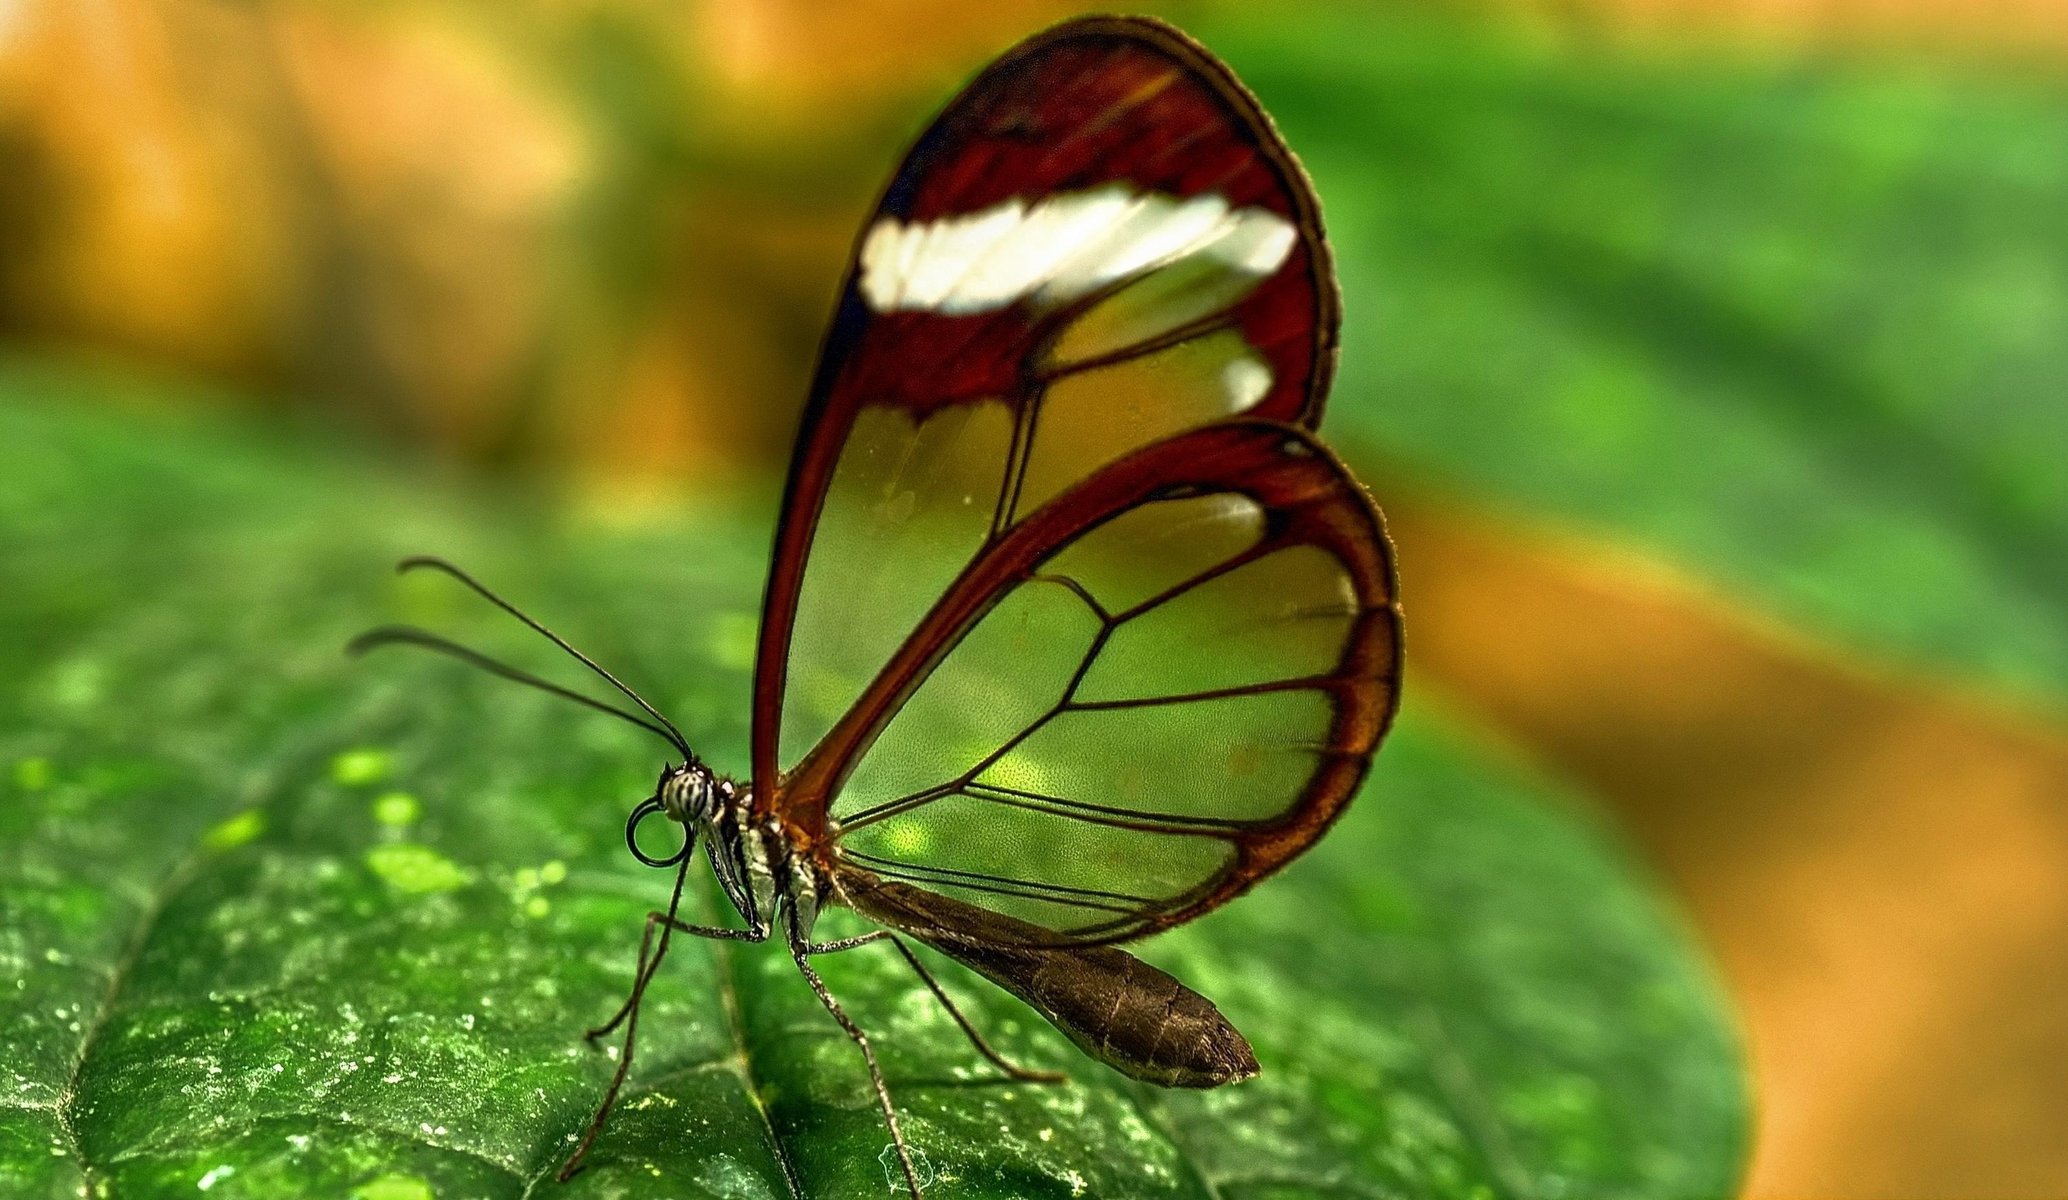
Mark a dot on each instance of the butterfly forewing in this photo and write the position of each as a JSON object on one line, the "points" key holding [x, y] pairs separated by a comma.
{"points": [[1099, 244]]}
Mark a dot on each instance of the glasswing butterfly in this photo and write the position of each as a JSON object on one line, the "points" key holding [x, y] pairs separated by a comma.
{"points": [[1074, 632]]}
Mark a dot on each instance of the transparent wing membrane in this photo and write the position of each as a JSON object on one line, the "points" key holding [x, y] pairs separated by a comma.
{"points": [[1090, 417], [1005, 676], [1039, 864], [910, 505]]}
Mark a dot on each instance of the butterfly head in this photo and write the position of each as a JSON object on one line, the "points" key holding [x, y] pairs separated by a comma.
{"points": [[689, 794], [692, 794]]}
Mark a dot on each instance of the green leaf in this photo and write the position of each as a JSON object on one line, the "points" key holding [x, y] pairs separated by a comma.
{"points": [[1795, 323], [277, 923]]}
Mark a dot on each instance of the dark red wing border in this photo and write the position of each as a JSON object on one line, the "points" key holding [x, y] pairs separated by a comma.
{"points": [[1308, 497], [1094, 101]]}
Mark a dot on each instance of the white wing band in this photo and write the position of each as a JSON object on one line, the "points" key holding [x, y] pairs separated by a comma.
{"points": [[1061, 248]]}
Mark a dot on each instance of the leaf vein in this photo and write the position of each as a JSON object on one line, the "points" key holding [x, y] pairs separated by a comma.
{"points": [[132, 951], [402, 1133], [1152, 1116], [728, 994], [1455, 1078]]}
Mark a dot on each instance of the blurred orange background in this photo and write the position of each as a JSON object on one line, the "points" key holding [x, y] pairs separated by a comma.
{"points": [[592, 241]]}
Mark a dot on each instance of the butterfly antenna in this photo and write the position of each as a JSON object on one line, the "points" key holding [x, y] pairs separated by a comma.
{"points": [[406, 635], [673, 734]]}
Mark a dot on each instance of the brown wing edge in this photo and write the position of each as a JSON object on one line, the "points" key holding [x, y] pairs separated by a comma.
{"points": [[816, 455], [1366, 683], [1116, 1008], [1311, 498]]}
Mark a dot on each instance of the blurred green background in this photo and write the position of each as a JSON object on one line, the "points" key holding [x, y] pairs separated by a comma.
{"points": [[1710, 359]]}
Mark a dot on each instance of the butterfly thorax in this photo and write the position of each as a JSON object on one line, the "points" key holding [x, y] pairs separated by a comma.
{"points": [[758, 865]]}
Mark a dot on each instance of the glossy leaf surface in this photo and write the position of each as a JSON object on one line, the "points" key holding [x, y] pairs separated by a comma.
{"points": [[290, 925]]}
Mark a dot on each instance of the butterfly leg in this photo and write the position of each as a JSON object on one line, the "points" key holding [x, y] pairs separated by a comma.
{"points": [[651, 953], [969, 1030], [799, 950], [648, 966], [1011, 1068]]}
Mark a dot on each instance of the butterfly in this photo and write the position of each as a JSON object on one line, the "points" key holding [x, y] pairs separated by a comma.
{"points": [[1074, 632]]}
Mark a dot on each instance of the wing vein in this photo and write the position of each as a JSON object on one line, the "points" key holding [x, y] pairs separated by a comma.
{"points": [[1303, 683], [999, 885], [1145, 822]]}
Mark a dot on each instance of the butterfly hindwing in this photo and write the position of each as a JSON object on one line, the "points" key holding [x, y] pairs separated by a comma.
{"points": [[1142, 699]]}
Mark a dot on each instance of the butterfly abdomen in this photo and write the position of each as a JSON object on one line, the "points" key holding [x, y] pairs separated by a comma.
{"points": [[1118, 1009], [1127, 1014]]}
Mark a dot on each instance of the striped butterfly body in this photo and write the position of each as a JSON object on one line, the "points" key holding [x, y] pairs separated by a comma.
{"points": [[1073, 630]]}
